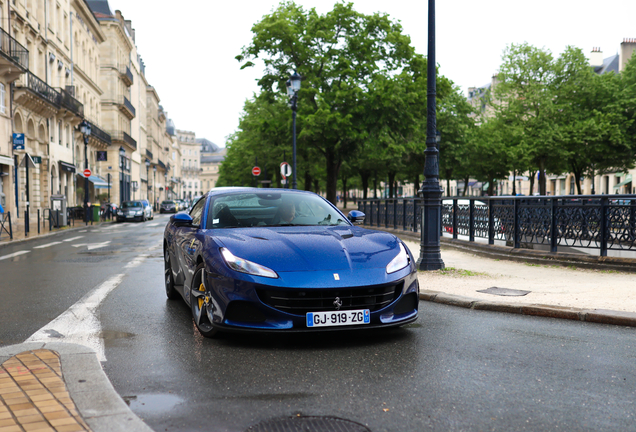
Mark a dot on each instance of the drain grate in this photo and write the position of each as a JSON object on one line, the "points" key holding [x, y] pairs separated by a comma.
{"points": [[504, 291], [308, 424]]}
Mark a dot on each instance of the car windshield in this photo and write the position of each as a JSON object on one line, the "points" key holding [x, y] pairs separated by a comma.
{"points": [[131, 204], [271, 209], [168, 202]]}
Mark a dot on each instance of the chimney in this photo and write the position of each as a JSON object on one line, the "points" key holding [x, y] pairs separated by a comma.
{"points": [[627, 50], [596, 57]]}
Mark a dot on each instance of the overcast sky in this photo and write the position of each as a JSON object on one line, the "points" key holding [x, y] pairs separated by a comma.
{"points": [[189, 46]]}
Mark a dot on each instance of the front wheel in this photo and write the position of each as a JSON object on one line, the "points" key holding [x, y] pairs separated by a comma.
{"points": [[171, 292], [201, 304]]}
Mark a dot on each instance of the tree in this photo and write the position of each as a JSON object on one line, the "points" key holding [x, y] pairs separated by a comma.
{"points": [[339, 55]]}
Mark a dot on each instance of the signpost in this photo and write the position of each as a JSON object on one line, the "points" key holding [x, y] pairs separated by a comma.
{"points": [[256, 171], [18, 141], [87, 173]]}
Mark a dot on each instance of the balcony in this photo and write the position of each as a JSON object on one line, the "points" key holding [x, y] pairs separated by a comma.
{"points": [[126, 108], [14, 58], [37, 96], [72, 105], [126, 76], [149, 154], [123, 138], [99, 134]]}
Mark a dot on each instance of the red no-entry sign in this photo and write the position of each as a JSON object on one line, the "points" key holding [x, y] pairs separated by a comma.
{"points": [[256, 171], [87, 173]]}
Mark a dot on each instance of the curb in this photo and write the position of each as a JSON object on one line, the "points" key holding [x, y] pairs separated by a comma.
{"points": [[599, 316], [96, 400]]}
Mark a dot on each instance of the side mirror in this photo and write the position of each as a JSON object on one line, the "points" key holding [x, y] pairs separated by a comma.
{"points": [[181, 219], [356, 217]]}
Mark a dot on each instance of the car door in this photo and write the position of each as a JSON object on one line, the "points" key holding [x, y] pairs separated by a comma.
{"points": [[188, 246]]}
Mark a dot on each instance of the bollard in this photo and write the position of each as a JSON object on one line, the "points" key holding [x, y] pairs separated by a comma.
{"points": [[38, 221], [26, 223]]}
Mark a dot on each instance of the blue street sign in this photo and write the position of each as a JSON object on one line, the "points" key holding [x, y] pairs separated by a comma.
{"points": [[18, 141]]}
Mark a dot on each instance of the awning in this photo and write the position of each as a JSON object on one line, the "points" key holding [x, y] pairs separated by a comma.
{"points": [[98, 182], [4, 160], [628, 179], [67, 167]]}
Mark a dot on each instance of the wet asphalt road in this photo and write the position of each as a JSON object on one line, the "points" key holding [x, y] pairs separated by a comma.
{"points": [[454, 369]]}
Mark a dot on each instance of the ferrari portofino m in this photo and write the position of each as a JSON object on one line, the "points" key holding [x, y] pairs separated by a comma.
{"points": [[285, 260]]}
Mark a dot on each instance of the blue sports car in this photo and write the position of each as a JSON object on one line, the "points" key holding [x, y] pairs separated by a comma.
{"points": [[285, 260]]}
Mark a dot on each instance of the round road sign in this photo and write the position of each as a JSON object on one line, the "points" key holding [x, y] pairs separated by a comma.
{"points": [[256, 171], [87, 173], [285, 169]]}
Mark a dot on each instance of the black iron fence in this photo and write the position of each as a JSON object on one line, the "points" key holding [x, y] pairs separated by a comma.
{"points": [[130, 106], [604, 222], [70, 103], [12, 48]]}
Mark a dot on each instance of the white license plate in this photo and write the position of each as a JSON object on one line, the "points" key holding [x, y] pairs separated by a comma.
{"points": [[130, 216], [338, 318]]}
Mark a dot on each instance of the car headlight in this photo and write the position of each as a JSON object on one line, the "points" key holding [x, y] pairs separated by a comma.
{"points": [[139, 212], [245, 266], [399, 262], [119, 212]]}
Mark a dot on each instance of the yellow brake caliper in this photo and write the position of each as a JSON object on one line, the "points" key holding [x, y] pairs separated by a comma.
{"points": [[201, 299]]}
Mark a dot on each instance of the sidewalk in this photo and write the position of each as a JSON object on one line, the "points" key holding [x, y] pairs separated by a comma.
{"points": [[17, 227], [602, 296]]}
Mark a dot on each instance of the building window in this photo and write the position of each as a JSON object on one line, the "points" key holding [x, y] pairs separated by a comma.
{"points": [[59, 132], [2, 94]]}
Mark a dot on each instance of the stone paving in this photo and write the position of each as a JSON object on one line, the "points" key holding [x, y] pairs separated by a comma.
{"points": [[33, 395]]}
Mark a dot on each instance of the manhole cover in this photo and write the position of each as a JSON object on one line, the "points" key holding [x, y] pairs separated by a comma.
{"points": [[504, 291], [308, 424]]}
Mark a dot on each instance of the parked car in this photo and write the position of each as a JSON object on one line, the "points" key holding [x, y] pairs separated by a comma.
{"points": [[134, 210], [168, 206], [150, 214], [285, 260]]}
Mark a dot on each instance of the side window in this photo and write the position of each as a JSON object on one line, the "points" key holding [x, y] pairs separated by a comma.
{"points": [[197, 212]]}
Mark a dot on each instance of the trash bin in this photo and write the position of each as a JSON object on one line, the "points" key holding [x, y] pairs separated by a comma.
{"points": [[58, 211], [95, 212]]}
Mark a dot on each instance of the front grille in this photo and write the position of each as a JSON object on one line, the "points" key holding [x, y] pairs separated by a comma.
{"points": [[302, 301]]}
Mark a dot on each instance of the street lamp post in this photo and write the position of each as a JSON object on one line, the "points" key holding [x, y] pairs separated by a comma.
{"points": [[293, 86], [431, 192], [147, 179], [122, 181], [85, 128], [154, 187]]}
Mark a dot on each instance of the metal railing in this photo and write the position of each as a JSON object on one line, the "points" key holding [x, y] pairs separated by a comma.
{"points": [[69, 102], [149, 154], [42, 89], [130, 106], [5, 224], [101, 135], [603, 222], [127, 75], [123, 136], [12, 48]]}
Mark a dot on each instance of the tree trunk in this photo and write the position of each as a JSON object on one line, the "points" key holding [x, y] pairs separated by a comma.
{"points": [[375, 186], [532, 173], [307, 181], [344, 191], [491, 187], [448, 188], [542, 182], [364, 179], [514, 183], [416, 184], [465, 186], [317, 186], [577, 177], [392, 192]]}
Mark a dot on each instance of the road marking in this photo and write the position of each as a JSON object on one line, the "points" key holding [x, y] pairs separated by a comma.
{"points": [[134, 263], [153, 224], [79, 323], [92, 246], [73, 238], [46, 245], [84, 231], [15, 254]]}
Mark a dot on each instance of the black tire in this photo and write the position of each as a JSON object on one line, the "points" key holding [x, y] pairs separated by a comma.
{"points": [[171, 293], [201, 304]]}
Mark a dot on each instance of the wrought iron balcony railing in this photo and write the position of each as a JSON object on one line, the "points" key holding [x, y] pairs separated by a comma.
{"points": [[69, 102], [42, 89], [12, 49], [98, 133], [126, 76], [130, 106], [124, 137], [148, 154]]}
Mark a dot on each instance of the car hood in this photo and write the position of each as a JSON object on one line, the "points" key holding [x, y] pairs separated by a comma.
{"points": [[294, 249]]}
